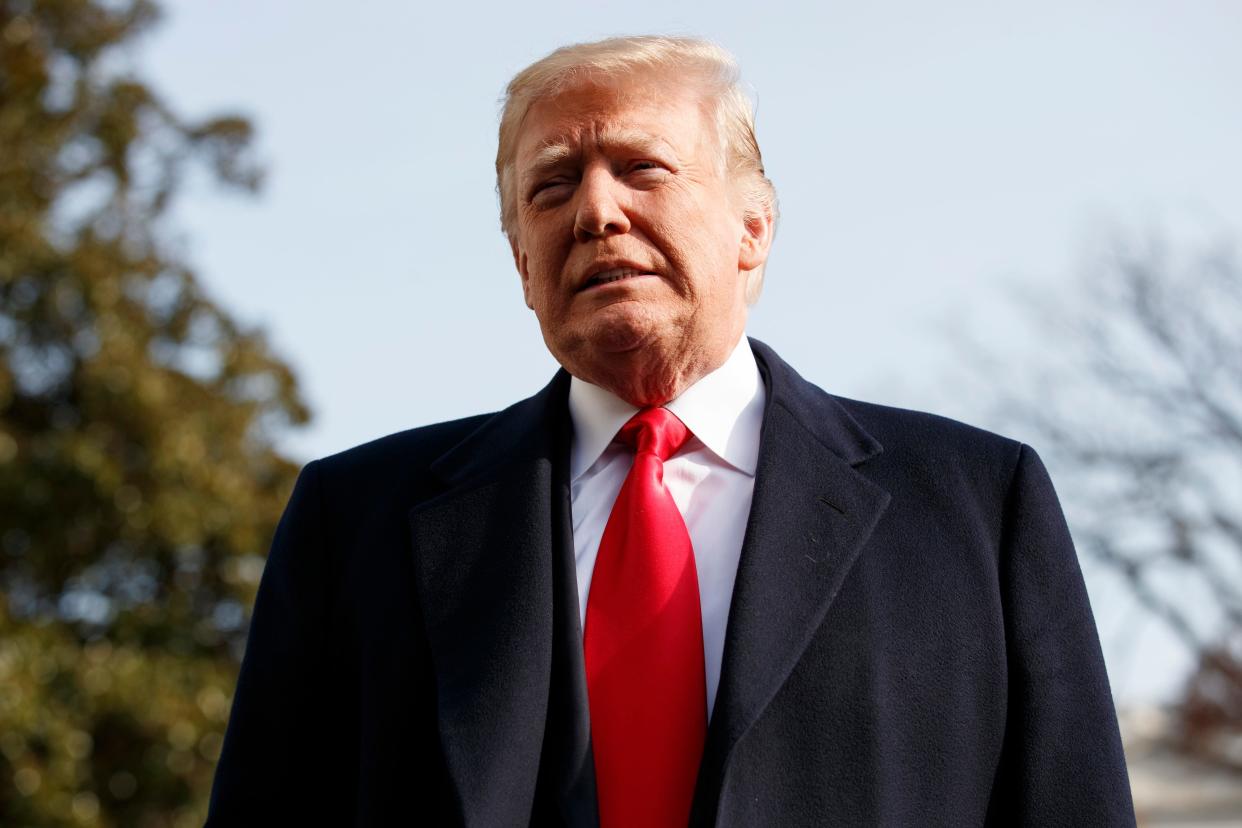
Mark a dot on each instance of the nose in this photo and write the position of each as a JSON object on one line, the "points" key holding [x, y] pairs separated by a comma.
{"points": [[600, 211]]}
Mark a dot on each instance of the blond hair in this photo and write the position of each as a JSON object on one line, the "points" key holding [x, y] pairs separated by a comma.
{"points": [[620, 58]]}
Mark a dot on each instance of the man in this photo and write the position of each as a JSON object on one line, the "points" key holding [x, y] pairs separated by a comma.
{"points": [[680, 584]]}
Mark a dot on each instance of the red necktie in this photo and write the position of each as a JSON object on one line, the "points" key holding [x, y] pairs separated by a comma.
{"points": [[644, 643]]}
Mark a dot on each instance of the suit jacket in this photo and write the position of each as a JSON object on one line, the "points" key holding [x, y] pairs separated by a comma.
{"points": [[909, 640]]}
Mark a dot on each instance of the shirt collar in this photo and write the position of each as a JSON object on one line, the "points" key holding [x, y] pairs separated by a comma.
{"points": [[724, 409]]}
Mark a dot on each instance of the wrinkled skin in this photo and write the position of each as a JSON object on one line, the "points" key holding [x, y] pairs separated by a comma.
{"points": [[634, 249]]}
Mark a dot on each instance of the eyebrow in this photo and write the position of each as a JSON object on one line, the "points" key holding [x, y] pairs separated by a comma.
{"points": [[550, 155]]}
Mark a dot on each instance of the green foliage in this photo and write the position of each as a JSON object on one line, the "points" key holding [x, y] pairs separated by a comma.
{"points": [[139, 486], [100, 734]]}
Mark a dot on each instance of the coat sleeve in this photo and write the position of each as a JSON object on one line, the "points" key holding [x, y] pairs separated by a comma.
{"points": [[276, 759], [1062, 761]]}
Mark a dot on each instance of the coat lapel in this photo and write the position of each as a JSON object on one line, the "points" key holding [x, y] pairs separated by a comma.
{"points": [[811, 514], [483, 569]]}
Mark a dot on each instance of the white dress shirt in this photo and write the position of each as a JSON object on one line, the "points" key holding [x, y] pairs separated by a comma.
{"points": [[712, 480]]}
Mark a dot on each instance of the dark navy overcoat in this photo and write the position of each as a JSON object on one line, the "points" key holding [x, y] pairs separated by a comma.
{"points": [[909, 641]]}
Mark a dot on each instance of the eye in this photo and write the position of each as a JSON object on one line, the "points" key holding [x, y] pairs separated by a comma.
{"points": [[646, 174], [550, 191]]}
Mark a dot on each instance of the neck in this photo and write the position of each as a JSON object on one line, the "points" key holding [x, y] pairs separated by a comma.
{"points": [[644, 378]]}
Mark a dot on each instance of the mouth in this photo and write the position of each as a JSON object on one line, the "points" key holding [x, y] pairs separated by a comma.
{"points": [[613, 275]]}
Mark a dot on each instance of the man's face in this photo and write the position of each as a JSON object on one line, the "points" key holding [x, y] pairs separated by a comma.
{"points": [[630, 242]]}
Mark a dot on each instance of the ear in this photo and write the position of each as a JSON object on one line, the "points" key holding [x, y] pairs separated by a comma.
{"points": [[758, 227], [519, 261]]}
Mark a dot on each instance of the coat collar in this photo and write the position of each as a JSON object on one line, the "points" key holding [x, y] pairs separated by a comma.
{"points": [[813, 409], [525, 432]]}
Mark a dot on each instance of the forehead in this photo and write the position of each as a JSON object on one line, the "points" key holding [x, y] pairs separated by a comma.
{"points": [[641, 114]]}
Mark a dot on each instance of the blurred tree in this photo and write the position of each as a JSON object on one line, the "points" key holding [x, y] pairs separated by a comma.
{"points": [[139, 485], [1139, 413]]}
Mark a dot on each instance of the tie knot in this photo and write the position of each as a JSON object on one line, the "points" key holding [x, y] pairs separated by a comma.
{"points": [[654, 430]]}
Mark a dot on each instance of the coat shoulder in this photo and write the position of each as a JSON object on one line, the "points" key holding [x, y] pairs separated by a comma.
{"points": [[910, 432], [427, 442], [878, 434], [938, 455], [396, 463]]}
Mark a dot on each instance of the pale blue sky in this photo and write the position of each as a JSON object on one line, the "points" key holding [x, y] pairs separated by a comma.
{"points": [[925, 155]]}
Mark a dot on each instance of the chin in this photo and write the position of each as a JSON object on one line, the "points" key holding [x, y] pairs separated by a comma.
{"points": [[620, 329]]}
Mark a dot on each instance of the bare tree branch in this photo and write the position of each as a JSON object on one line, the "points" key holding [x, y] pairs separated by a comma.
{"points": [[1139, 407]]}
